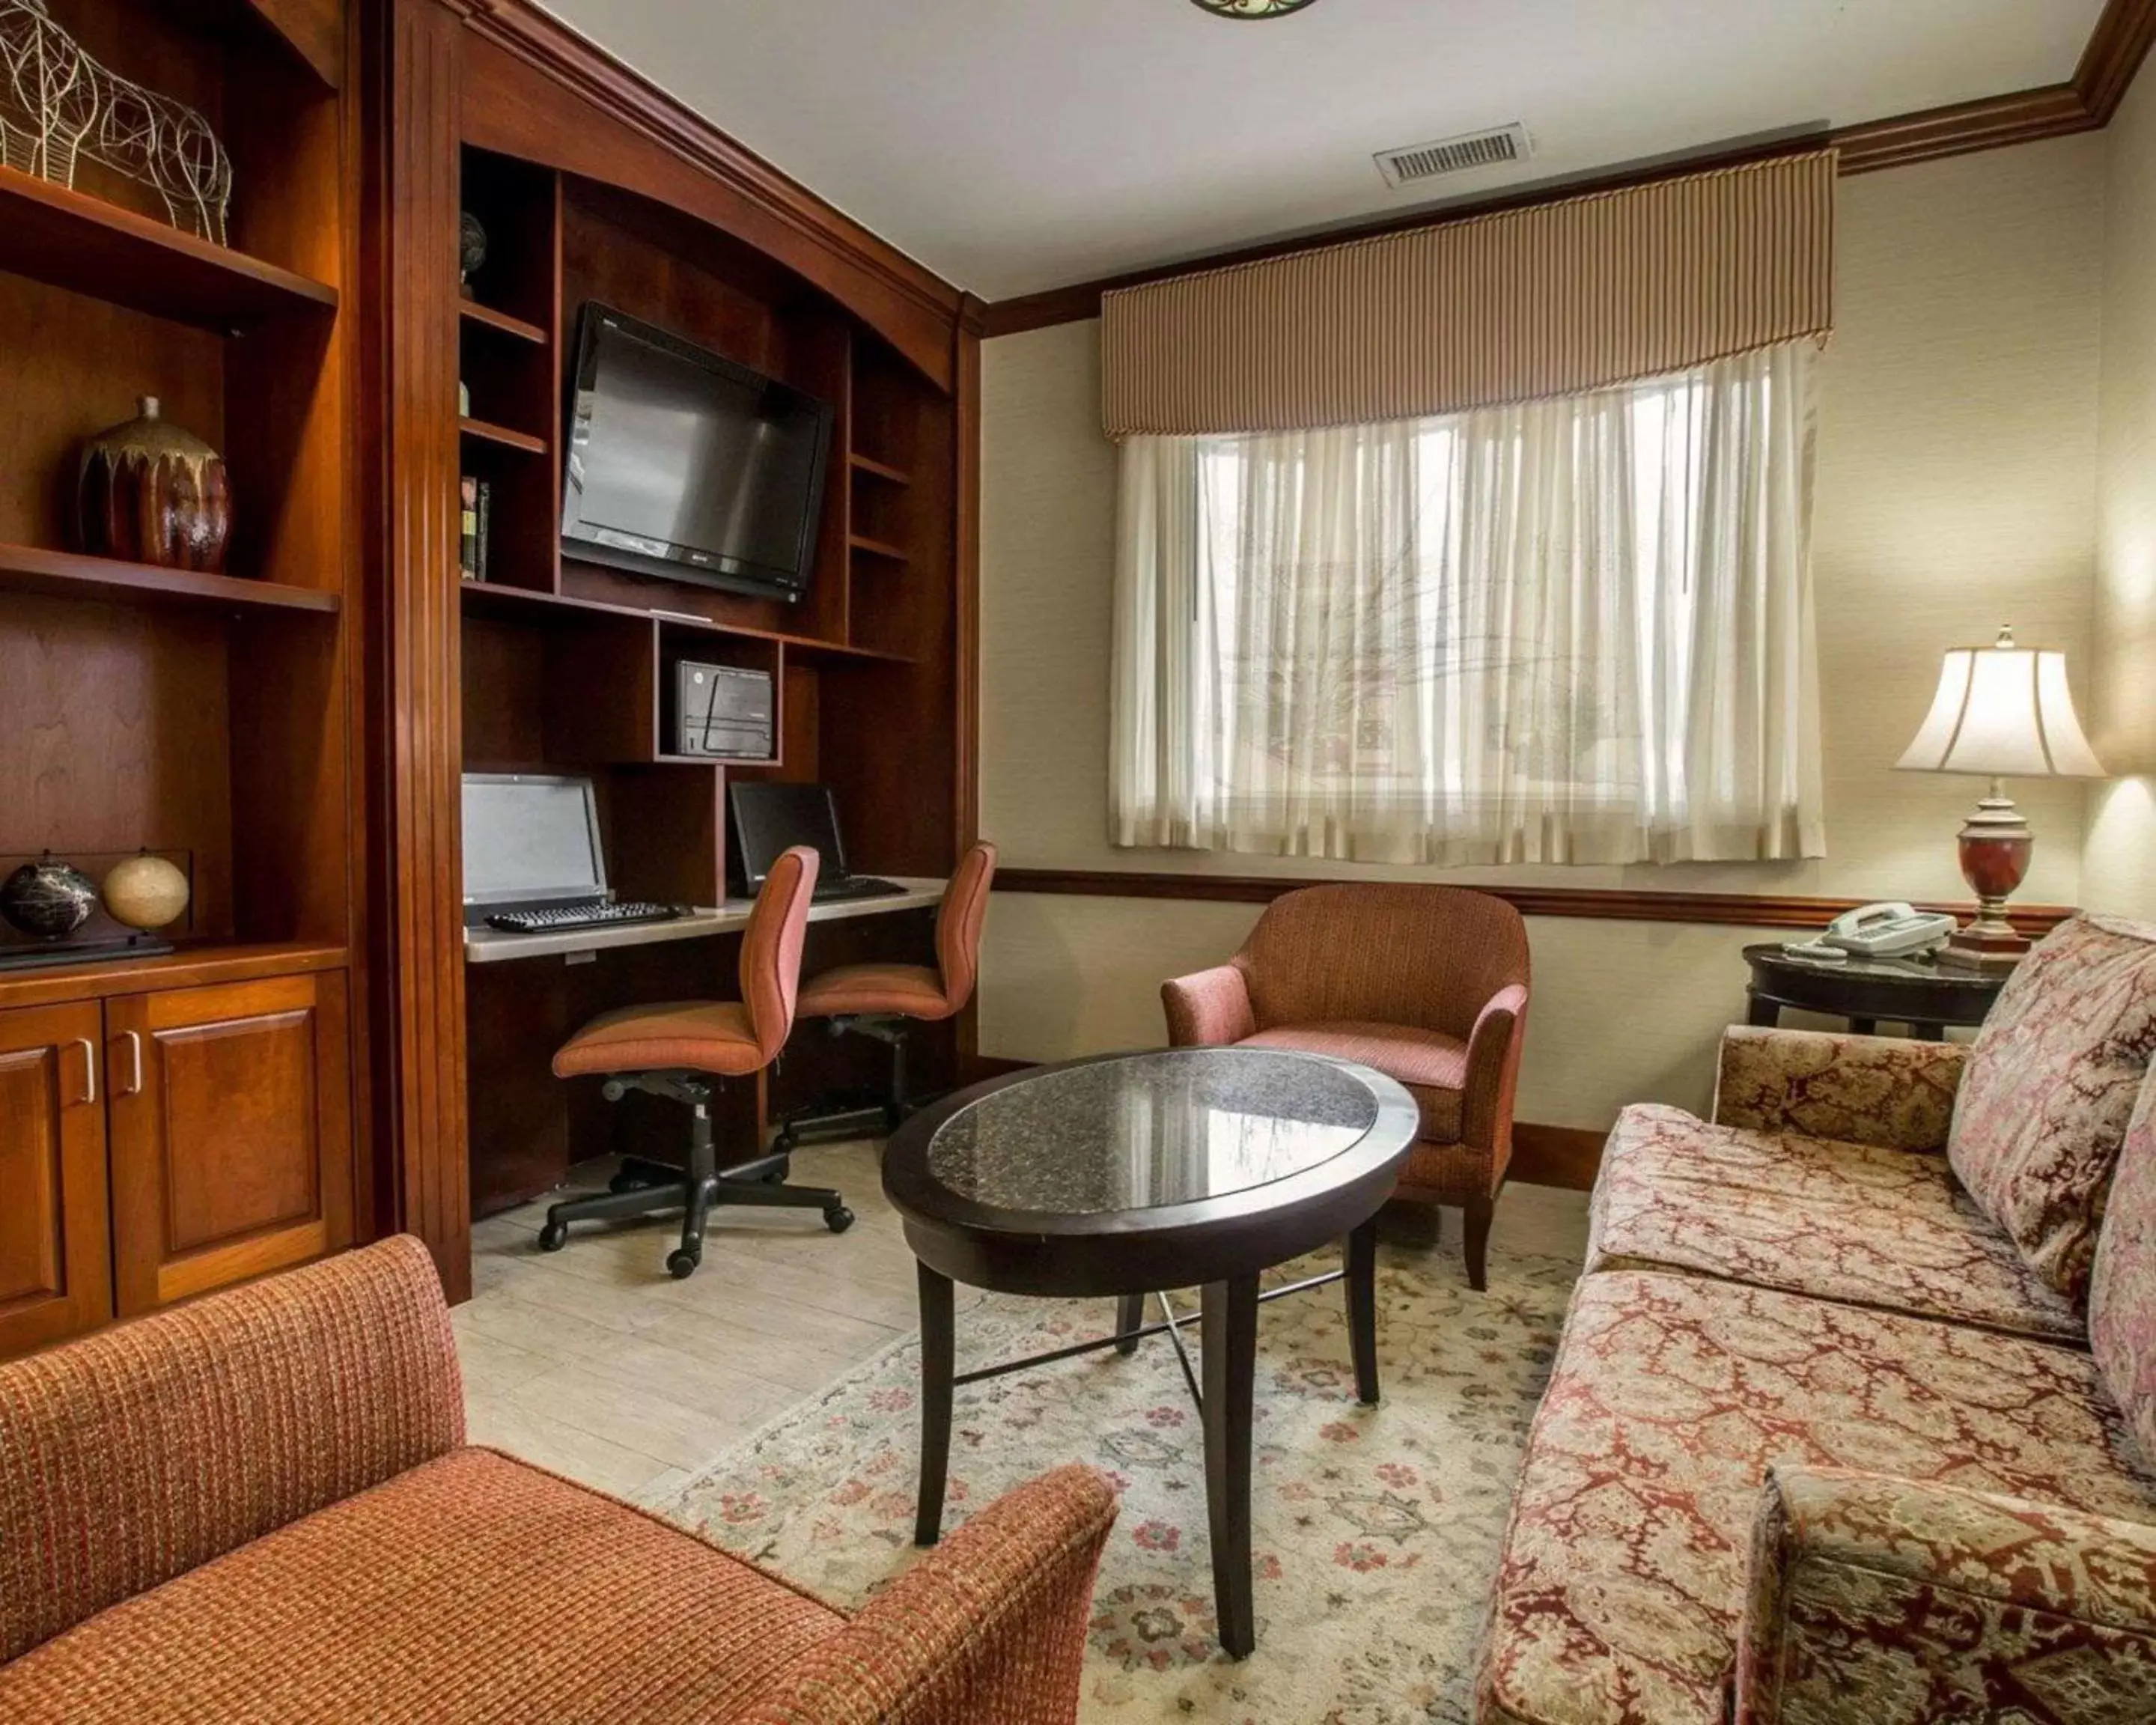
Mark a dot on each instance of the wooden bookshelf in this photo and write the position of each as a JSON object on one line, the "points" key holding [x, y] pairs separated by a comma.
{"points": [[878, 469], [501, 323], [489, 433]]}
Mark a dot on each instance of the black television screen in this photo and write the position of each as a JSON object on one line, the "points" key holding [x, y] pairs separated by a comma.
{"points": [[685, 464]]}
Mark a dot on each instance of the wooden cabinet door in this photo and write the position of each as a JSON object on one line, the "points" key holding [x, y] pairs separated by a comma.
{"points": [[55, 1244], [231, 1123]]}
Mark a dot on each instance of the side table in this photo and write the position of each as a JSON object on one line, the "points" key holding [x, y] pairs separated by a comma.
{"points": [[1925, 996]]}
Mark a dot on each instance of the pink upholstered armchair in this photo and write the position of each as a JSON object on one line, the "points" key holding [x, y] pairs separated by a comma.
{"points": [[1428, 984]]}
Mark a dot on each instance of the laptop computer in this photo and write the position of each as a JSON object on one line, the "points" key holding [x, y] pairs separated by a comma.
{"points": [[534, 860], [769, 819]]}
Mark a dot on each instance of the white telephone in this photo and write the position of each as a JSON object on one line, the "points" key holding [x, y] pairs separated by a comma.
{"points": [[1890, 930]]}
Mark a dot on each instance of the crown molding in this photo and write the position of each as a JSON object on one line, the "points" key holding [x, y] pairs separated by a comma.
{"points": [[2117, 48], [520, 27]]}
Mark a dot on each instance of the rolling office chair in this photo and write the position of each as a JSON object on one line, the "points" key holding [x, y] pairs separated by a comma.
{"points": [[883, 1001], [682, 1050]]}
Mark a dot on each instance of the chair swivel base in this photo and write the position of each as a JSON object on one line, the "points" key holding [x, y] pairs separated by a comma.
{"points": [[644, 1188]]}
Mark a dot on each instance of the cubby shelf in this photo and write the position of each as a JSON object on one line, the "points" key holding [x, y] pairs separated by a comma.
{"points": [[879, 548], [486, 432], [486, 317], [880, 470], [66, 574], [498, 599], [70, 239]]}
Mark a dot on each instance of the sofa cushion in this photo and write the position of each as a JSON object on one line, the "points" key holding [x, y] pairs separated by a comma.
{"points": [[2123, 1288], [1431, 1064], [2043, 1101], [473, 1587], [1840, 1221], [1623, 1577]]}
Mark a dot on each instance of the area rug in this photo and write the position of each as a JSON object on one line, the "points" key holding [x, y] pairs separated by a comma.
{"points": [[1377, 1529]]}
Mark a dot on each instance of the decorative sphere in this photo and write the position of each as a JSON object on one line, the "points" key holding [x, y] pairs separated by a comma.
{"points": [[471, 244], [145, 892], [48, 899]]}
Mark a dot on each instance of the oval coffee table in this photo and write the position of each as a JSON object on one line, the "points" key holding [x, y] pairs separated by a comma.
{"points": [[1129, 1174]]}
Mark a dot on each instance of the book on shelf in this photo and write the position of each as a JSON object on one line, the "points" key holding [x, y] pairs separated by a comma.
{"points": [[475, 502]]}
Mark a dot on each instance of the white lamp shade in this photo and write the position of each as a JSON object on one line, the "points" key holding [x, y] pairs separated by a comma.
{"points": [[2004, 712]]}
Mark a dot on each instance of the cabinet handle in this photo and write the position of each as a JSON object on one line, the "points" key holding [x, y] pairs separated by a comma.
{"points": [[89, 1069], [134, 1049]]}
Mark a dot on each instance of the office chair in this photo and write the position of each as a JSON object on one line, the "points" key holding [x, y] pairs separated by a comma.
{"points": [[882, 1002], [682, 1050]]}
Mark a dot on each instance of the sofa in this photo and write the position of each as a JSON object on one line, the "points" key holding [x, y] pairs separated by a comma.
{"points": [[1853, 1417], [261, 1507]]}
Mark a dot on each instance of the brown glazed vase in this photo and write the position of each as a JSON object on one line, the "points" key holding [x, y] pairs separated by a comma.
{"points": [[153, 493]]}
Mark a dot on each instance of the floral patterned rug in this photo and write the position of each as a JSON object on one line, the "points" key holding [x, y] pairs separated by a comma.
{"points": [[1376, 1528]]}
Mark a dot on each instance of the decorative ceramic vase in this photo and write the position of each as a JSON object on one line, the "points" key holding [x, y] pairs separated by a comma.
{"points": [[48, 899], [146, 892], [153, 493]]}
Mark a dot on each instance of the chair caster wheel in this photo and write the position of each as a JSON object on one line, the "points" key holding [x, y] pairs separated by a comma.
{"points": [[681, 1263], [553, 1236], [779, 1175], [625, 1183], [839, 1221]]}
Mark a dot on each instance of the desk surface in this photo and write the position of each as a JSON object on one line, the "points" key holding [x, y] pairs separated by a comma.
{"points": [[491, 946]]}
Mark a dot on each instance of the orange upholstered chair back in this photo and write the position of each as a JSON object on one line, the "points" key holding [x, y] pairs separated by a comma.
{"points": [[771, 947], [959, 922], [1391, 953]]}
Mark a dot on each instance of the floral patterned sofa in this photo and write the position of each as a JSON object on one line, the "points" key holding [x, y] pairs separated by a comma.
{"points": [[1855, 1413]]}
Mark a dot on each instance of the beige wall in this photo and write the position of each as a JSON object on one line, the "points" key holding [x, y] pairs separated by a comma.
{"points": [[2120, 862], [1958, 447]]}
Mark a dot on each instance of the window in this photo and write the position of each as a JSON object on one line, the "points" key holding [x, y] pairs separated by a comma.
{"points": [[1568, 630]]}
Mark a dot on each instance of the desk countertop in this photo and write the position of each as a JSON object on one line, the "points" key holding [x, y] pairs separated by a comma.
{"points": [[491, 946]]}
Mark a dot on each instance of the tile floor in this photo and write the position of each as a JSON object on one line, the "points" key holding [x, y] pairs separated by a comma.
{"points": [[593, 1362]]}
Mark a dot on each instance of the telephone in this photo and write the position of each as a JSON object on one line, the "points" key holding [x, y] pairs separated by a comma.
{"points": [[1890, 930]]}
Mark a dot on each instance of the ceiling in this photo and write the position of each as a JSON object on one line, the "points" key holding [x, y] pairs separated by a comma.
{"points": [[1017, 145]]}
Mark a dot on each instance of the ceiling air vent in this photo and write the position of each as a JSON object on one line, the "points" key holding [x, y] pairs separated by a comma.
{"points": [[1417, 162]]}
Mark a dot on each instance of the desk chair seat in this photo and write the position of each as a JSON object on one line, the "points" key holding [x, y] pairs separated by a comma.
{"points": [[681, 1049], [882, 1001]]}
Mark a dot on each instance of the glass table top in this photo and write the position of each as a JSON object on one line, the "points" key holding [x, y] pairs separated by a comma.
{"points": [[1149, 1130]]}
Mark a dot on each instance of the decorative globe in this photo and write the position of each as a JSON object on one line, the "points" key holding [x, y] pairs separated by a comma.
{"points": [[48, 899], [145, 892]]}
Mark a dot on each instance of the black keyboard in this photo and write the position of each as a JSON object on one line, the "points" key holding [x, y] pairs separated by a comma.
{"points": [[567, 916], [850, 886]]}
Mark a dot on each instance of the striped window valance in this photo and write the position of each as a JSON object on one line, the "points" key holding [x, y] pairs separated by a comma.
{"points": [[1547, 300]]}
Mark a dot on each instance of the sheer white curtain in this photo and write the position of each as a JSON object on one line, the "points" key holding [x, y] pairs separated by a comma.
{"points": [[1574, 630]]}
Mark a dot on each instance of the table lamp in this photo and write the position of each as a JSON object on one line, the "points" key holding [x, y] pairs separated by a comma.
{"points": [[2001, 711]]}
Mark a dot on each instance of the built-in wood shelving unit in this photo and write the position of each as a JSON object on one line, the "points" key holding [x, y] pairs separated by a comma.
{"points": [[501, 323], [879, 469]]}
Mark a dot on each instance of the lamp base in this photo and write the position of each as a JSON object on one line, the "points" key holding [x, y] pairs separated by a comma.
{"points": [[1996, 844]]}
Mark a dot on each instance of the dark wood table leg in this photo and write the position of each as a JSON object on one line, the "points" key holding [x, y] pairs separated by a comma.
{"points": [[1228, 1336], [1928, 1033], [1864, 1027], [1761, 1011], [1130, 1316], [939, 1363], [1362, 1284]]}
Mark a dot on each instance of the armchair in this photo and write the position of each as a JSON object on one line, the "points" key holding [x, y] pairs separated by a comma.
{"points": [[1429, 984]]}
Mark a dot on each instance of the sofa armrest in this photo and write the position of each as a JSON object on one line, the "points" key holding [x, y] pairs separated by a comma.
{"points": [[133, 1456], [1209, 1008], [990, 1626], [1885, 1090], [1493, 1075], [1898, 1602]]}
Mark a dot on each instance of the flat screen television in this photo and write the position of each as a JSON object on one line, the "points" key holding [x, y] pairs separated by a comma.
{"points": [[686, 465]]}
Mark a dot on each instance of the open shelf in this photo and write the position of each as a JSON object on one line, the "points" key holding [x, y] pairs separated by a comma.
{"points": [[879, 548], [495, 598], [880, 470], [486, 317], [487, 432], [66, 574], [71, 240]]}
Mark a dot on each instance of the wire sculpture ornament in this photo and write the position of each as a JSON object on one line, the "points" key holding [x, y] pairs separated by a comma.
{"points": [[58, 105], [1251, 8]]}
